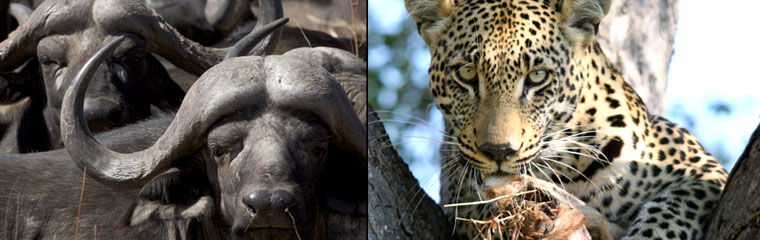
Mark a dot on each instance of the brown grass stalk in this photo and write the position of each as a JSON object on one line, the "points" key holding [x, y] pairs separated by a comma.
{"points": [[354, 5], [79, 208], [294, 224]]}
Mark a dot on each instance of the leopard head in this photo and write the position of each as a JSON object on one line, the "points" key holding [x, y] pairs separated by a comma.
{"points": [[505, 74]]}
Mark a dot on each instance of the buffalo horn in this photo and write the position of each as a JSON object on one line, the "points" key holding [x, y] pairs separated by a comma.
{"points": [[20, 12], [243, 46], [199, 110]]}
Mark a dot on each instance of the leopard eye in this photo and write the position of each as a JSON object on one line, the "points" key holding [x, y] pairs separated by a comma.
{"points": [[536, 77], [466, 73]]}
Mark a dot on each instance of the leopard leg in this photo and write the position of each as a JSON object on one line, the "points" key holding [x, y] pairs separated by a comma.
{"points": [[679, 211], [598, 226]]}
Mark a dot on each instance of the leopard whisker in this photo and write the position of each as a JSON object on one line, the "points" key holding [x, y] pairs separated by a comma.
{"points": [[534, 181], [404, 115], [574, 153], [597, 154], [389, 143], [450, 170], [445, 135], [427, 138], [591, 155], [459, 190], [556, 130], [555, 174], [576, 170], [449, 166]]}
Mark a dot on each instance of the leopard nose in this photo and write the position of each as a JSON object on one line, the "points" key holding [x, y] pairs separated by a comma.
{"points": [[497, 152]]}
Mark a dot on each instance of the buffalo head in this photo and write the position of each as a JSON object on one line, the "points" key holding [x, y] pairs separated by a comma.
{"points": [[276, 141]]}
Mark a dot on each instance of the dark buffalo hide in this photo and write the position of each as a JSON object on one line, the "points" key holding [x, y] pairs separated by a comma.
{"points": [[261, 148]]}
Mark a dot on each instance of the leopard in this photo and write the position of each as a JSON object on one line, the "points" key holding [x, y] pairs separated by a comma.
{"points": [[525, 88]]}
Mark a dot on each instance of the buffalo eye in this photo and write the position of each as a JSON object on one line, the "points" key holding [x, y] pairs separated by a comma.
{"points": [[216, 151], [45, 60], [132, 60], [319, 152]]}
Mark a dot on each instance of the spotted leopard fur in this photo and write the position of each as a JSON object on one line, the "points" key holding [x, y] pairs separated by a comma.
{"points": [[525, 89]]}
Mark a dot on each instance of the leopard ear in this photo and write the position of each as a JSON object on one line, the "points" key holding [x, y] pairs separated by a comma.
{"points": [[430, 16], [580, 20]]}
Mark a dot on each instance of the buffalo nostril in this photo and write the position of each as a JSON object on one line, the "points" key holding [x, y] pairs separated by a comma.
{"points": [[258, 200], [282, 200], [497, 152]]}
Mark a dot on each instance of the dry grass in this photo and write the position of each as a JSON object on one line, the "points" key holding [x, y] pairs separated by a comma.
{"points": [[295, 228], [358, 33], [303, 34], [79, 208], [354, 5], [524, 212]]}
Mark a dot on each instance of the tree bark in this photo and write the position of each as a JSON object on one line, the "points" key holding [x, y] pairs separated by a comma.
{"points": [[737, 214], [637, 37], [399, 208]]}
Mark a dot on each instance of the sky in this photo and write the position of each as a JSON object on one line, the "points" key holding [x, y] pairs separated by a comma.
{"points": [[712, 83]]}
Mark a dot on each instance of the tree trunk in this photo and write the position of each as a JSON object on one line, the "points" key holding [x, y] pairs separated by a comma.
{"points": [[737, 214], [637, 37], [398, 207]]}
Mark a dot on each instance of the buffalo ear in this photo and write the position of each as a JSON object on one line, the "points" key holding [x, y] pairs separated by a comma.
{"points": [[179, 193], [23, 95], [145, 210], [25, 81]]}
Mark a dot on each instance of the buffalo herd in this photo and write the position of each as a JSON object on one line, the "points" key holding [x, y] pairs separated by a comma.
{"points": [[182, 119]]}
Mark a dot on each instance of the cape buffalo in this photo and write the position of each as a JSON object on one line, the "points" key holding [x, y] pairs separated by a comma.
{"points": [[41, 192], [261, 148]]}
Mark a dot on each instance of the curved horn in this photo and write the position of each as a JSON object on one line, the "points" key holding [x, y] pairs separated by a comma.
{"points": [[21, 44], [222, 90], [196, 58], [335, 110], [74, 98], [112, 168], [348, 69], [347, 119], [245, 45], [20, 12], [314, 89], [59, 17], [270, 10], [206, 101]]}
